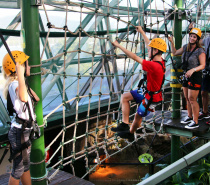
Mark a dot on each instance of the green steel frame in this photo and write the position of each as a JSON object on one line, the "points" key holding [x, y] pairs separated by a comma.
{"points": [[31, 14]]}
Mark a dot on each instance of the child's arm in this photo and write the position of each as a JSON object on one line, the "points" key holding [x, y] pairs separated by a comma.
{"points": [[173, 49], [21, 90], [128, 53], [146, 40], [34, 95]]}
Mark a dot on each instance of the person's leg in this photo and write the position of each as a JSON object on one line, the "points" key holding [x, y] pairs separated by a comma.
{"points": [[205, 101], [136, 123], [189, 108], [14, 136], [125, 100], [124, 126], [192, 96], [13, 181], [26, 178]]}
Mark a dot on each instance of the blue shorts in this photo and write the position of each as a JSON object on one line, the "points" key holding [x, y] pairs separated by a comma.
{"points": [[138, 97], [205, 83]]}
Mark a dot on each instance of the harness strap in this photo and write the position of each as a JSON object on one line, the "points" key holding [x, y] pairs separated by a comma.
{"points": [[15, 152], [10, 107], [7, 48], [141, 82], [185, 61], [156, 92], [145, 105], [151, 93]]}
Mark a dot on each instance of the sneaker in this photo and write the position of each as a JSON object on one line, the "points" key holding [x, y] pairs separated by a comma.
{"points": [[192, 125], [203, 116], [126, 135], [121, 127], [186, 120]]}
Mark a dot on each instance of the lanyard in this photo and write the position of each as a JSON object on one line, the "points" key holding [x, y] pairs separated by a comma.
{"points": [[185, 61], [6, 46]]}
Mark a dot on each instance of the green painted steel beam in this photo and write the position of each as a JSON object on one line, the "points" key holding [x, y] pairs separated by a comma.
{"points": [[30, 15], [72, 55], [9, 4], [60, 34], [74, 61], [176, 104], [69, 43], [85, 87], [13, 25], [49, 54], [104, 44]]}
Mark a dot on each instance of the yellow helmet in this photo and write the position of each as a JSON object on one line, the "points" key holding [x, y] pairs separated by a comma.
{"points": [[159, 44], [7, 63], [196, 31]]}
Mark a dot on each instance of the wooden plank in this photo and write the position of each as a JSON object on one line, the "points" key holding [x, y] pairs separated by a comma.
{"points": [[64, 178], [61, 178], [169, 123]]}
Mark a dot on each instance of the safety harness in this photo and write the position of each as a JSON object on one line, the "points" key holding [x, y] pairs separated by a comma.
{"points": [[142, 84], [185, 64], [35, 132], [30, 124]]}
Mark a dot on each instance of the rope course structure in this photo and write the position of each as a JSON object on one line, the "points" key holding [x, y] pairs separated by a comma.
{"points": [[109, 74], [99, 70]]}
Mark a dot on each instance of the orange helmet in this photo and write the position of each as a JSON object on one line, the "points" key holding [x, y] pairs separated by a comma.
{"points": [[7, 63], [196, 31], [159, 44]]}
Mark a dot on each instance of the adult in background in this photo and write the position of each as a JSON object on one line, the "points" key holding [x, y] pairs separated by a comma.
{"points": [[193, 62]]}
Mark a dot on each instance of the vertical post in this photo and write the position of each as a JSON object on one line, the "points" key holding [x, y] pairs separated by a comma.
{"points": [[30, 28], [176, 87]]}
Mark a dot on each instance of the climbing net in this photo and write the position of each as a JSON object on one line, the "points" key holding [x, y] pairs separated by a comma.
{"points": [[104, 69]]}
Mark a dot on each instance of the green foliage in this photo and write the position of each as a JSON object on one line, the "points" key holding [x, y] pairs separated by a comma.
{"points": [[198, 174]]}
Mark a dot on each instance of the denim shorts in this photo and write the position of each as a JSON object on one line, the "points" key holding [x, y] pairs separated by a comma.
{"points": [[21, 162]]}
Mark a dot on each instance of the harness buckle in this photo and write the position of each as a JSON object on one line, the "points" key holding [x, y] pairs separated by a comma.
{"points": [[145, 106], [36, 132]]}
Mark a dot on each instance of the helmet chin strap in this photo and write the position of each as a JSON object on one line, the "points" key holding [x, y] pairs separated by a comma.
{"points": [[153, 56]]}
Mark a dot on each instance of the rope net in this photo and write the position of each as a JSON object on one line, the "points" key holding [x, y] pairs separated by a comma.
{"points": [[84, 83]]}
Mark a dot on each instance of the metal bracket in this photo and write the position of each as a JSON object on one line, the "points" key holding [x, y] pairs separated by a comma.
{"points": [[36, 2], [180, 14]]}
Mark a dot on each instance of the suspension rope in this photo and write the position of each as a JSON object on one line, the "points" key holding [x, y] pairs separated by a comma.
{"points": [[135, 72]]}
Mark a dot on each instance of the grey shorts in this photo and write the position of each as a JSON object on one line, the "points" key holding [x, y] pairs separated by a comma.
{"points": [[21, 162]]}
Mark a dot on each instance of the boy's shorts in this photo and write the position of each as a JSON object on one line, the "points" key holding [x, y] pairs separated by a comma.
{"points": [[139, 97]]}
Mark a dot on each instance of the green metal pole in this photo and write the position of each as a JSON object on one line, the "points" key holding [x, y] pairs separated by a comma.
{"points": [[176, 87], [30, 28]]}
